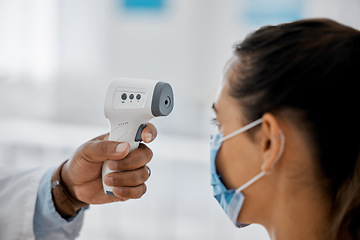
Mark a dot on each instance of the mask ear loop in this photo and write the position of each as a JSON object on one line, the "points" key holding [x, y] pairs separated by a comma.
{"points": [[241, 130], [260, 175], [251, 181]]}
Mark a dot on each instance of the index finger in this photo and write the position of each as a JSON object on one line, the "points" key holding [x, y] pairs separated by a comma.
{"points": [[149, 133]]}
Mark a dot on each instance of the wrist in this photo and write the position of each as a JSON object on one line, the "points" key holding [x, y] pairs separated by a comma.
{"points": [[69, 186], [66, 204]]}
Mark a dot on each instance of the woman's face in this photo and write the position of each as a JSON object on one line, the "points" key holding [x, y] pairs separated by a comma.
{"points": [[289, 166], [239, 158]]}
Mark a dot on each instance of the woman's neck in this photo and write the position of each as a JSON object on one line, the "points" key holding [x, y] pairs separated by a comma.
{"points": [[302, 214]]}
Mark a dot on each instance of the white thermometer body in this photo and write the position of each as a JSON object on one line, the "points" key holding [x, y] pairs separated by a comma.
{"points": [[129, 104]]}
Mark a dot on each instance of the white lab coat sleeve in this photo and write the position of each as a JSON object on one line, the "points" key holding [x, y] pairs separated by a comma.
{"points": [[18, 193]]}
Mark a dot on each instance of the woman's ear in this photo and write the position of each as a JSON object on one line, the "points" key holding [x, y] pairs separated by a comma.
{"points": [[273, 142]]}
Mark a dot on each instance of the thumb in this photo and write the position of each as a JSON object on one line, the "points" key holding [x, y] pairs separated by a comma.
{"points": [[100, 151]]}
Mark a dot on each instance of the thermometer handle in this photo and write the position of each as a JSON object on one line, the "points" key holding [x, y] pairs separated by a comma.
{"points": [[127, 134]]}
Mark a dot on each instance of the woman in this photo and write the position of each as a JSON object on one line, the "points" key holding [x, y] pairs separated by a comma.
{"points": [[287, 152]]}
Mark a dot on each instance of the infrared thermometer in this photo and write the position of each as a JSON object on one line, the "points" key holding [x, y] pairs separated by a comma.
{"points": [[129, 104]]}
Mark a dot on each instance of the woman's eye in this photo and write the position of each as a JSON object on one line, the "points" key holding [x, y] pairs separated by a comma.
{"points": [[214, 121]]}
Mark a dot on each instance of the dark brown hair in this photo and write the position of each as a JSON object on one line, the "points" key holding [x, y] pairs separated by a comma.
{"points": [[311, 66]]}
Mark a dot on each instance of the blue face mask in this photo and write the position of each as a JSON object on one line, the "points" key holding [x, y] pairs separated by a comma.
{"points": [[231, 200]]}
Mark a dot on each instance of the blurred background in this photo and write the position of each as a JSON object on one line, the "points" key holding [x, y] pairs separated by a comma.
{"points": [[58, 57]]}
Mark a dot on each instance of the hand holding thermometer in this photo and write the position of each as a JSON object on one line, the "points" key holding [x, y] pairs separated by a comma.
{"points": [[129, 104]]}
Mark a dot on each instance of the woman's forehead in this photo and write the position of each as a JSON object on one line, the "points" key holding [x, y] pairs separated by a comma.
{"points": [[230, 63], [229, 73]]}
